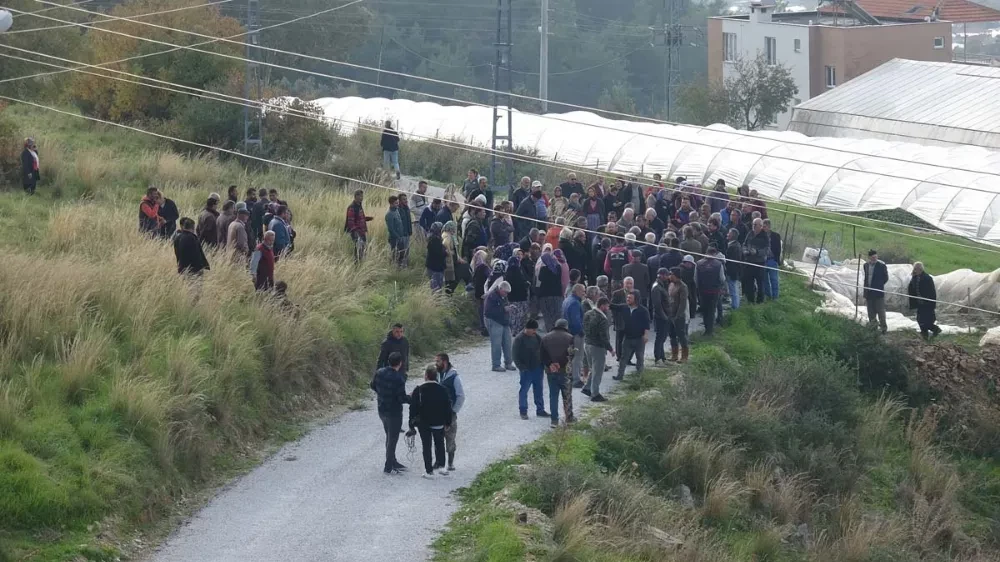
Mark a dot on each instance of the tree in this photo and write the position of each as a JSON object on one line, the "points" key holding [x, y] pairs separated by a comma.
{"points": [[704, 104], [757, 92], [617, 99]]}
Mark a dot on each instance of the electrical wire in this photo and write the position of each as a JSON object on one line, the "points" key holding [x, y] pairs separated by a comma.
{"points": [[265, 106], [114, 19], [467, 205], [418, 55], [521, 96]]}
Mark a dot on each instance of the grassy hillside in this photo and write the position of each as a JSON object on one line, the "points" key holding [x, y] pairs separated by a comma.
{"points": [[122, 386], [792, 436]]}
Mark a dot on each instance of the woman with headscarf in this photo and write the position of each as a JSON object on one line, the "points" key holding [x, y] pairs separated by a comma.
{"points": [[480, 274], [549, 274], [497, 271], [518, 296], [29, 166], [449, 240], [558, 203], [563, 269], [437, 258]]}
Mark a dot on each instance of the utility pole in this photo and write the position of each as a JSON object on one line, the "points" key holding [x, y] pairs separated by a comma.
{"points": [[503, 101], [674, 38], [543, 63], [378, 76], [253, 86]]}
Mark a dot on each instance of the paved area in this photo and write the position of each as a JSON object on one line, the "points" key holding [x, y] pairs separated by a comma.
{"points": [[324, 497]]}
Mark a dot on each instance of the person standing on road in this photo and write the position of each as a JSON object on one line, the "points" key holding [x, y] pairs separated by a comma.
{"points": [[677, 312], [597, 339], [389, 385], [550, 294], [390, 148], [923, 297], [557, 351], [528, 358], [636, 335], [430, 412], [497, 319], [449, 379], [572, 312], [395, 342], [658, 308], [357, 225], [876, 276]]}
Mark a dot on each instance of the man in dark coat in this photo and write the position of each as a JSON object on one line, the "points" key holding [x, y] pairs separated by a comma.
{"points": [[208, 223], [389, 385], [257, 213], [430, 412], [876, 276], [923, 297], [390, 148], [395, 342], [571, 186], [29, 166], [168, 212], [190, 255], [526, 214]]}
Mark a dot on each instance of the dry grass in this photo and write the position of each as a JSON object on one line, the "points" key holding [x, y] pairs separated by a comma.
{"points": [[788, 499], [722, 497], [695, 459], [571, 528], [877, 423]]}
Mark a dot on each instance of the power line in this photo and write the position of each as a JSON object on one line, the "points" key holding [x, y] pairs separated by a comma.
{"points": [[418, 55], [467, 205], [264, 106], [115, 19], [531, 98], [577, 71]]}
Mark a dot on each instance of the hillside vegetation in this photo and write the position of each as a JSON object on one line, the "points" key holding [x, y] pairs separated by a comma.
{"points": [[123, 387]]}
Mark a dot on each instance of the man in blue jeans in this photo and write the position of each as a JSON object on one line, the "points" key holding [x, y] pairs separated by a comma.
{"points": [[389, 385], [572, 311], [734, 267], [557, 351], [773, 260], [528, 358], [390, 148], [497, 319]]}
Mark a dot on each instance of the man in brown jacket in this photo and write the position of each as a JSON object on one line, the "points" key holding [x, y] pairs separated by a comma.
{"points": [[237, 237], [557, 352], [677, 310], [208, 229]]}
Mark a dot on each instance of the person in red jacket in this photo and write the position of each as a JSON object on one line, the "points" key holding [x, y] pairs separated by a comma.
{"points": [[149, 213], [262, 263], [357, 225]]}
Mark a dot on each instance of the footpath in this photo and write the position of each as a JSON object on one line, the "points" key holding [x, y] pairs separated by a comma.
{"points": [[325, 498]]}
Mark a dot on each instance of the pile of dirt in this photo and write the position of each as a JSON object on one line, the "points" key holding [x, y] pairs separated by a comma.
{"points": [[966, 386]]}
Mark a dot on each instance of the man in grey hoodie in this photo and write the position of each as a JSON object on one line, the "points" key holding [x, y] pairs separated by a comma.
{"points": [[451, 382]]}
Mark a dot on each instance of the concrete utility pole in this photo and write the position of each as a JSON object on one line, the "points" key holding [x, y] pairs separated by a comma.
{"points": [[503, 101], [253, 87], [543, 63]]}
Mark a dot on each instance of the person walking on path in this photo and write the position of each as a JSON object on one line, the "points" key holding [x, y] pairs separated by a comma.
{"points": [[190, 255], [876, 276], [572, 312], [449, 379], [430, 412], [923, 297], [711, 286], [498, 325], [389, 385], [636, 335], [390, 148], [394, 224], [30, 175], [262, 263], [395, 342], [557, 351], [519, 293], [528, 358], [659, 309], [357, 225], [597, 339], [677, 312]]}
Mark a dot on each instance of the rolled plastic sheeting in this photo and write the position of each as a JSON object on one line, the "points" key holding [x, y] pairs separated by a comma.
{"points": [[6, 20]]}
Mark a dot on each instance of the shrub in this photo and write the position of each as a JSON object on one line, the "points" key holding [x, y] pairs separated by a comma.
{"points": [[875, 363], [696, 460]]}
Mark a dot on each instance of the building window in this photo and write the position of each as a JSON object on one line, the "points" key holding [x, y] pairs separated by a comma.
{"points": [[771, 48], [939, 42], [729, 47], [798, 45], [831, 76]]}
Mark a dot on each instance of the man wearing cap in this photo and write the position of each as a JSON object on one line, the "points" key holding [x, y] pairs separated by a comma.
{"points": [[571, 186], [636, 335], [541, 204], [876, 276], [237, 237], [639, 274], [527, 352], [677, 313], [659, 308], [557, 352]]}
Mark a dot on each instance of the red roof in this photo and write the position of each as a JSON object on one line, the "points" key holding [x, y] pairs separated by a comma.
{"points": [[957, 11]]}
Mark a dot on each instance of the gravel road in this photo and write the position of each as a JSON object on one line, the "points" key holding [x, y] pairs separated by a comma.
{"points": [[324, 497]]}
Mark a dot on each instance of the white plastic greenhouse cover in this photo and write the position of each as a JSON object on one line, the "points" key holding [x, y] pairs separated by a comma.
{"points": [[839, 174]]}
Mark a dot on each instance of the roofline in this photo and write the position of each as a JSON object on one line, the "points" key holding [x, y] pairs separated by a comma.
{"points": [[885, 21]]}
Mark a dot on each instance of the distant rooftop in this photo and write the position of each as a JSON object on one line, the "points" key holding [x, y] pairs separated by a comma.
{"points": [[955, 11], [817, 18]]}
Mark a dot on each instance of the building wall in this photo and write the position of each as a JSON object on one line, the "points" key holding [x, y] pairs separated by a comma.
{"points": [[750, 41], [856, 50], [714, 50]]}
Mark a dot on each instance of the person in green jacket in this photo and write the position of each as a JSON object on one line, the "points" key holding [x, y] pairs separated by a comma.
{"points": [[395, 226]]}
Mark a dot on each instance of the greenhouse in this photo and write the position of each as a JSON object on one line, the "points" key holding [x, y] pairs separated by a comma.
{"points": [[956, 189]]}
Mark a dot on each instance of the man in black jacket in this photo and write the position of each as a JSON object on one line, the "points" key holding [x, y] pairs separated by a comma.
{"points": [[773, 261], [389, 385], [557, 352], [876, 276], [190, 255], [430, 412], [390, 148], [527, 352], [257, 213], [395, 341], [636, 332], [755, 252], [29, 166], [923, 297], [734, 267]]}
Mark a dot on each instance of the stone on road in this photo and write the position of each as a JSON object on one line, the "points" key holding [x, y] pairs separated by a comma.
{"points": [[325, 498]]}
